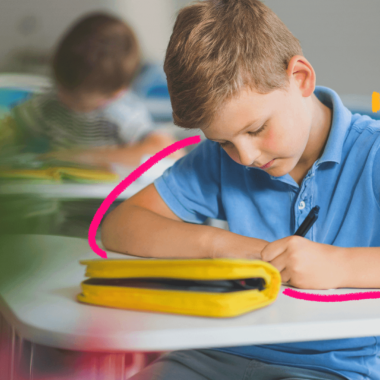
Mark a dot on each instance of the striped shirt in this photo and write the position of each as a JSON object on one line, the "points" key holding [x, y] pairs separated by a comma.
{"points": [[124, 121]]}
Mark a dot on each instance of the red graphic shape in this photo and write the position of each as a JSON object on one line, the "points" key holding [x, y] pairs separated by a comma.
{"points": [[331, 297]]}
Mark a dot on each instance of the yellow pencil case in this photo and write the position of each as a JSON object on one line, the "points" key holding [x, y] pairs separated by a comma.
{"points": [[202, 287]]}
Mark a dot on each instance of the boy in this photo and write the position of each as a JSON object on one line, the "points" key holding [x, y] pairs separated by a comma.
{"points": [[277, 146], [90, 117]]}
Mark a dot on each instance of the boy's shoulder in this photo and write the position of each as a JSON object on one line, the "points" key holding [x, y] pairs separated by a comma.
{"points": [[364, 133], [207, 161], [362, 123], [363, 143], [207, 151], [367, 131]]}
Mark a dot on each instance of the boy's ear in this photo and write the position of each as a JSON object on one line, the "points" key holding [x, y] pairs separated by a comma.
{"points": [[302, 73]]}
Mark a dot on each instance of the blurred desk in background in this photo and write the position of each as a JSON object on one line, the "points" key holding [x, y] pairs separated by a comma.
{"points": [[69, 191], [64, 209], [64, 206]]}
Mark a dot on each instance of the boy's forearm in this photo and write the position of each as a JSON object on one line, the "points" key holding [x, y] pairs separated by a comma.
{"points": [[147, 234], [361, 267], [229, 244], [137, 231]]}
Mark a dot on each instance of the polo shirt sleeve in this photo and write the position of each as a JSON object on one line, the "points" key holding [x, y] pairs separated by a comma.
{"points": [[376, 177], [192, 186]]}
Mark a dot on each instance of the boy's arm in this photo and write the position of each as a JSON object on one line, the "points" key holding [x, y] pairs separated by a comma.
{"points": [[362, 267], [309, 265], [145, 226], [129, 155]]}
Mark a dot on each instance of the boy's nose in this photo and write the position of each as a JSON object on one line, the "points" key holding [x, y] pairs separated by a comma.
{"points": [[247, 155]]}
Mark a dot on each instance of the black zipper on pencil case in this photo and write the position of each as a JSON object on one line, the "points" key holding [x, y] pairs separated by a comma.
{"points": [[208, 286]]}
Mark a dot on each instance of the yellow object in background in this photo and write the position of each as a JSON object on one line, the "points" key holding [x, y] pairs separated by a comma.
{"points": [[201, 287], [59, 173], [375, 102]]}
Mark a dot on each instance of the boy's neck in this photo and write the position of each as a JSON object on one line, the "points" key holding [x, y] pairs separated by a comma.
{"points": [[319, 133]]}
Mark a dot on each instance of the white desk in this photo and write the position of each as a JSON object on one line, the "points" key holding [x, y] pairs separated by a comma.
{"points": [[40, 276], [79, 191], [68, 191]]}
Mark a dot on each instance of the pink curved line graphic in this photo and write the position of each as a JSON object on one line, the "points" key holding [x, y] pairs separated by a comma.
{"points": [[126, 182], [331, 297]]}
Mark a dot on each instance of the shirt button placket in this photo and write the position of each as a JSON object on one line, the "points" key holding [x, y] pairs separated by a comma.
{"points": [[303, 205]]}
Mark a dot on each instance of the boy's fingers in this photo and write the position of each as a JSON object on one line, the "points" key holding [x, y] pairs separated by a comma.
{"points": [[285, 276], [279, 262], [272, 250]]}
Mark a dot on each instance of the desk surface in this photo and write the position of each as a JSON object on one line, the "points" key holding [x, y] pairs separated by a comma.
{"points": [[40, 277], [78, 191], [69, 191]]}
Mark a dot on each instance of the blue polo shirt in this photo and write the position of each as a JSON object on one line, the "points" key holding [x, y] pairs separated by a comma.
{"points": [[344, 182]]}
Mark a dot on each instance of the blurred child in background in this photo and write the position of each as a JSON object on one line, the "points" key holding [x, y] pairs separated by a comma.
{"points": [[90, 116]]}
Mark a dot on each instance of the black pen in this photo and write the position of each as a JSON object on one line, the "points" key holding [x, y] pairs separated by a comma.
{"points": [[308, 222]]}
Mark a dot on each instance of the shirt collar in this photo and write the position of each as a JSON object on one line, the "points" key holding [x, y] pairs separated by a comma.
{"points": [[340, 123]]}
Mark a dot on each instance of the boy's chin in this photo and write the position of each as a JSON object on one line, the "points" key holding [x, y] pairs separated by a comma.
{"points": [[280, 170], [276, 172]]}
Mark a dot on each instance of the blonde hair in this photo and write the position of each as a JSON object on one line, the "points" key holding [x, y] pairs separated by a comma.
{"points": [[220, 46]]}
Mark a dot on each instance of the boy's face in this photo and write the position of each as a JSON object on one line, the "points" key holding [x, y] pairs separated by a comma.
{"points": [[267, 131], [86, 102]]}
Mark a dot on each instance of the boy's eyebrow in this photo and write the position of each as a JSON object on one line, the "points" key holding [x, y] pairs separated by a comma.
{"points": [[250, 124]]}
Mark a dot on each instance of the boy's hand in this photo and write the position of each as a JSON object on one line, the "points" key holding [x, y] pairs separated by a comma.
{"points": [[306, 264]]}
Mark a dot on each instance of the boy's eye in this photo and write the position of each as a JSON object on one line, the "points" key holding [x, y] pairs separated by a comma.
{"points": [[255, 133]]}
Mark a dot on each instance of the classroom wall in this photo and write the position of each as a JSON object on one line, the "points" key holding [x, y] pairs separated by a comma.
{"points": [[33, 26], [339, 37], [153, 22]]}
